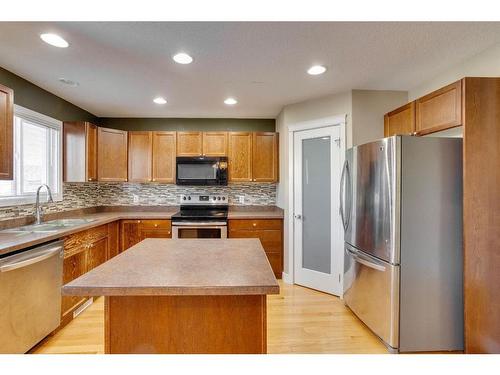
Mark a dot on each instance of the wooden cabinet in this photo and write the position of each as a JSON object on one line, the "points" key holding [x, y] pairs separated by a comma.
{"points": [[439, 110], [270, 234], [164, 151], [265, 157], [112, 155], [189, 143], [113, 239], [214, 143], [6, 133], [134, 231], [240, 156], [253, 157], [401, 121], [79, 151], [83, 251], [140, 153]]}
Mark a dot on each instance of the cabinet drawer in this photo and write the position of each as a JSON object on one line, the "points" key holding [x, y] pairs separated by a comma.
{"points": [[156, 224], [270, 239], [236, 224], [77, 242]]}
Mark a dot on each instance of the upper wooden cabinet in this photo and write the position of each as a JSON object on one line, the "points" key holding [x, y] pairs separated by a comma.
{"points": [[112, 155], [164, 150], [140, 153], [401, 121], [214, 143], [265, 157], [189, 143], [6, 133], [80, 152], [240, 156], [439, 110]]}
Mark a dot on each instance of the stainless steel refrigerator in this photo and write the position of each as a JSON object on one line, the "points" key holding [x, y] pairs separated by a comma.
{"points": [[401, 207]]}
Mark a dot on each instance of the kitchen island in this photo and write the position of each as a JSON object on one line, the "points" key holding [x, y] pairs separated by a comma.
{"points": [[183, 296]]}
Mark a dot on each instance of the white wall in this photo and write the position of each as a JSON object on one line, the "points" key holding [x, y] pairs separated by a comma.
{"points": [[484, 64]]}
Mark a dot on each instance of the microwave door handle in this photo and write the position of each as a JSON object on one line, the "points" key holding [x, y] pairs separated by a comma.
{"points": [[365, 261]]}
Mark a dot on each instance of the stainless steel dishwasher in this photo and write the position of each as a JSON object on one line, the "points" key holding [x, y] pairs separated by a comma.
{"points": [[30, 296]]}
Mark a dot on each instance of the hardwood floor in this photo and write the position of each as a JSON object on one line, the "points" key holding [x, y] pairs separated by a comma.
{"points": [[300, 320]]}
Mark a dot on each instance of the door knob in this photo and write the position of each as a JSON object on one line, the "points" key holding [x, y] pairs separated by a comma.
{"points": [[298, 217]]}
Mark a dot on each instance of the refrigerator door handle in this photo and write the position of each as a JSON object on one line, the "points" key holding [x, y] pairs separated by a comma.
{"points": [[342, 178], [365, 260]]}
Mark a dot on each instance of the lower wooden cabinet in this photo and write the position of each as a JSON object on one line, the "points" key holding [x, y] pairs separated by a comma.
{"points": [[270, 233], [134, 231], [83, 251]]}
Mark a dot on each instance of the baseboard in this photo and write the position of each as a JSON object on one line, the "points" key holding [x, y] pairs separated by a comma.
{"points": [[286, 278]]}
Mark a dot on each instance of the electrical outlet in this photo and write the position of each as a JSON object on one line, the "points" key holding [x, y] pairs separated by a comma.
{"points": [[241, 199], [136, 198]]}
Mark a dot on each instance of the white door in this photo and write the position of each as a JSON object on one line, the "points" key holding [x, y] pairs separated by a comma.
{"points": [[318, 234]]}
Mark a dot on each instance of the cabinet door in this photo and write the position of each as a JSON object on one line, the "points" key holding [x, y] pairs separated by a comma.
{"points": [[129, 233], [112, 155], [215, 144], [155, 229], [91, 151], [113, 239], [6, 133], [401, 121], [189, 143], [140, 151], [240, 156], [164, 151], [439, 110], [97, 253], [73, 266], [265, 157]]}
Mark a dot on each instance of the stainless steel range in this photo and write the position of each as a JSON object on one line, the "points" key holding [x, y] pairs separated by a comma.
{"points": [[201, 216]]}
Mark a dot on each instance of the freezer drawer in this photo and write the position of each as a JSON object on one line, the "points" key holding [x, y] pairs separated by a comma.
{"points": [[371, 290], [30, 296]]}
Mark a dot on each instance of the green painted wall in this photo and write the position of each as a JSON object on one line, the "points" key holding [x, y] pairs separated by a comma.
{"points": [[30, 96], [205, 124]]}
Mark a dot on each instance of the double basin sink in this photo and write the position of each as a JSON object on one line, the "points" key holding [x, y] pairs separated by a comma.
{"points": [[49, 226]]}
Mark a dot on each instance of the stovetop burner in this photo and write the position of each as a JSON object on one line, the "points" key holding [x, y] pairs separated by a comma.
{"points": [[202, 208]]}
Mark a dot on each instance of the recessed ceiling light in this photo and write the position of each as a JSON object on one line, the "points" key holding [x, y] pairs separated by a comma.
{"points": [[54, 40], [159, 100], [316, 69], [183, 58], [230, 101], [69, 82]]}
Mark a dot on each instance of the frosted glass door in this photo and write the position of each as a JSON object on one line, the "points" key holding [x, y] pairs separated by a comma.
{"points": [[318, 233]]}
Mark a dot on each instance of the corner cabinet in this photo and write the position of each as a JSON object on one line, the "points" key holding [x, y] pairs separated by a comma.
{"points": [[6, 133], [112, 155], [79, 139], [253, 157], [401, 121]]}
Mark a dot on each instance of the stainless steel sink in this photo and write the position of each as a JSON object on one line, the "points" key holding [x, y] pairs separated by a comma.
{"points": [[49, 226]]}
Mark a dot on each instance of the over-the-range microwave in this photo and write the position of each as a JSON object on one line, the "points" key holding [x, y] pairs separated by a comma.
{"points": [[201, 170]]}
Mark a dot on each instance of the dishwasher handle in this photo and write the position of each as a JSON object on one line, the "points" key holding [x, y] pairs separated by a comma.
{"points": [[31, 257]]}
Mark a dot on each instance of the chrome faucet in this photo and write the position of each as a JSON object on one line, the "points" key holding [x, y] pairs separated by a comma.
{"points": [[38, 208]]}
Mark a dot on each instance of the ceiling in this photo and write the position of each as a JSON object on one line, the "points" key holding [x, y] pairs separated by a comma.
{"points": [[122, 66]]}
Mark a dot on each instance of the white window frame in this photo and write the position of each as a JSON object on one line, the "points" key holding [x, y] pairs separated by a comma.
{"points": [[49, 122]]}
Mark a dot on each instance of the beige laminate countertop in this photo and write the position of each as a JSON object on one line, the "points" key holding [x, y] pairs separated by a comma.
{"points": [[10, 242], [181, 267]]}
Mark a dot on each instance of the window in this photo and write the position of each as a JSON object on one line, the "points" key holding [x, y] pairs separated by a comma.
{"points": [[37, 158]]}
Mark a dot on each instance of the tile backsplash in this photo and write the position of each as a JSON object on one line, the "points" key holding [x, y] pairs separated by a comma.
{"points": [[82, 195]]}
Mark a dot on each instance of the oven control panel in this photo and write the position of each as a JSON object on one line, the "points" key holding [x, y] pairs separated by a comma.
{"points": [[209, 199]]}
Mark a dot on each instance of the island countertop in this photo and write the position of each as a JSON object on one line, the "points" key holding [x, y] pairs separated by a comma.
{"points": [[157, 267]]}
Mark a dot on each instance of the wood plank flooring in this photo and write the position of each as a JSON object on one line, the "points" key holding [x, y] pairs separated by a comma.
{"points": [[300, 320]]}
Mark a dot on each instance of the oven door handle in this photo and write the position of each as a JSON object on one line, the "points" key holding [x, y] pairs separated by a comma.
{"points": [[213, 224]]}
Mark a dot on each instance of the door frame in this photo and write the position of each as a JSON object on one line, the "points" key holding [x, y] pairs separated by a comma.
{"points": [[339, 120]]}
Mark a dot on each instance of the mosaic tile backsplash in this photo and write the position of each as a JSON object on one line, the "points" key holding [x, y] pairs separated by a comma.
{"points": [[83, 195]]}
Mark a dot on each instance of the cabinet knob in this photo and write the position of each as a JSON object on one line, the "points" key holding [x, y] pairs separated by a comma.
{"points": [[254, 224], [156, 225], [154, 179], [138, 221]]}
